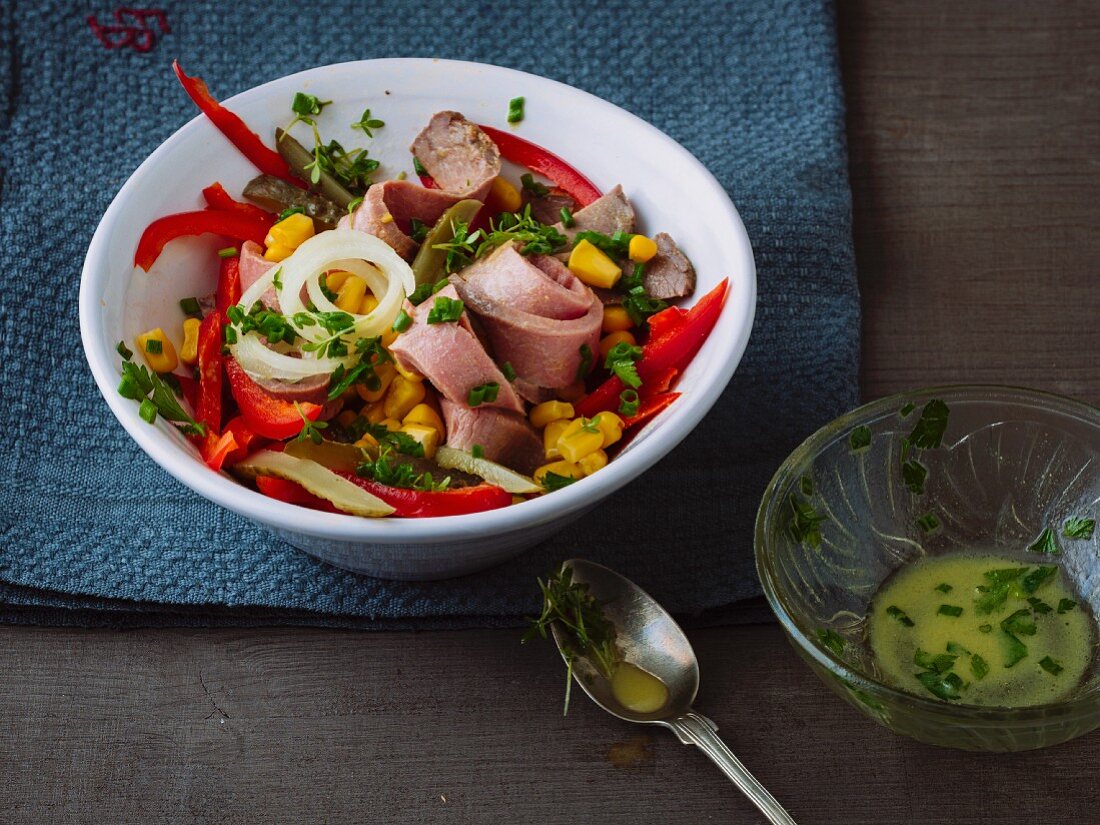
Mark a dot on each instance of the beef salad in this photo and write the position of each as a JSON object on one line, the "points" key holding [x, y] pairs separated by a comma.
{"points": [[444, 345]]}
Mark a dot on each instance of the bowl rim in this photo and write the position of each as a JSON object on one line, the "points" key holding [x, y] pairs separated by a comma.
{"points": [[219, 488], [824, 657]]}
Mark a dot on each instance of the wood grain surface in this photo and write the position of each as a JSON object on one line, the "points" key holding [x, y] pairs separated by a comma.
{"points": [[975, 145]]}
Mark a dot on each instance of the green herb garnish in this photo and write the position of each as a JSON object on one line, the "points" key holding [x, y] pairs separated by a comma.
{"points": [[477, 451], [1037, 578], [528, 182], [508, 371], [944, 587], [906, 409], [418, 230], [930, 427], [1066, 605], [1078, 528], [1015, 650], [426, 291], [1050, 666], [832, 640], [124, 351], [938, 664], [371, 354], [585, 630], [291, 210], [913, 475], [483, 394], [628, 402], [944, 686], [620, 361], [554, 481], [928, 523], [804, 523], [586, 361], [978, 666], [1040, 607], [402, 322], [355, 203], [616, 246], [445, 310], [950, 610], [367, 124], [190, 306], [154, 347], [806, 485], [140, 384], [310, 429], [515, 110], [899, 614], [228, 252], [418, 167], [1019, 623], [860, 438], [567, 218], [1046, 544]]}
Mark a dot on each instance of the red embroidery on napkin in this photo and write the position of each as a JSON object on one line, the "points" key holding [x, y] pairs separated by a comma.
{"points": [[138, 35]]}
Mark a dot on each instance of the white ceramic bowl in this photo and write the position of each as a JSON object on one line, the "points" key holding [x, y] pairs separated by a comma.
{"points": [[670, 189]]}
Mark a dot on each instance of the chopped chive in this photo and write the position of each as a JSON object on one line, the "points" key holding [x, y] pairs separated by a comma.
{"points": [[124, 351], [154, 347], [508, 371], [190, 306], [806, 485], [567, 217], [539, 190], [445, 310], [950, 610], [402, 322], [228, 252], [477, 451], [628, 402], [483, 394], [944, 587], [515, 110], [905, 410], [940, 664], [291, 210], [832, 640], [860, 438], [148, 411], [418, 167]]}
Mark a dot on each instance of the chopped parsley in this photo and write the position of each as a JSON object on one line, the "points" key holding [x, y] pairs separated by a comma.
{"points": [[832, 640], [804, 522], [1037, 578], [996, 591], [914, 474], [1066, 605], [1040, 607], [1050, 666], [1046, 544], [553, 481], [860, 438], [140, 384], [906, 409], [950, 610], [402, 322], [399, 474], [900, 615], [620, 361], [944, 587], [979, 667], [1078, 528]]}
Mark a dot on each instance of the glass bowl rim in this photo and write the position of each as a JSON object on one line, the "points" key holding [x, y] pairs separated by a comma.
{"points": [[808, 449]]}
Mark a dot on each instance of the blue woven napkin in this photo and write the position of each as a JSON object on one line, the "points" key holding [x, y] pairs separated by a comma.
{"points": [[94, 533]]}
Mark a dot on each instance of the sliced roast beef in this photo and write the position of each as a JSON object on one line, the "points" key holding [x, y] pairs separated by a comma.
{"points": [[506, 438], [450, 356], [388, 209], [254, 266], [313, 390], [547, 208], [537, 313], [460, 157], [669, 274], [608, 214]]}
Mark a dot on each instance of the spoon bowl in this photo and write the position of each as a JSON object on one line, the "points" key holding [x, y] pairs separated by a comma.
{"points": [[648, 638]]}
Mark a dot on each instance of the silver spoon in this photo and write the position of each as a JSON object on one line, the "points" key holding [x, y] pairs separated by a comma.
{"points": [[651, 640]]}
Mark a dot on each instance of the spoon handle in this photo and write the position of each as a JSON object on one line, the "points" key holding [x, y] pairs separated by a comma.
{"points": [[695, 729]]}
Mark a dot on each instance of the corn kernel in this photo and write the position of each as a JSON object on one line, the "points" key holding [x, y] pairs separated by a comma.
{"points": [[579, 439], [593, 267], [641, 249], [387, 218], [403, 395], [593, 462], [610, 425], [189, 351], [551, 435], [367, 441], [548, 411], [346, 418], [427, 437], [391, 424], [376, 412], [292, 231], [518, 499], [350, 295], [278, 252], [424, 415], [386, 374], [609, 341], [616, 319], [561, 468], [408, 375], [369, 304], [503, 196], [335, 280], [163, 359], [389, 336]]}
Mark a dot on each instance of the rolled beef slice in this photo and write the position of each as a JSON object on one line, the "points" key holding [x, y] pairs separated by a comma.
{"points": [[450, 356], [460, 157], [506, 437], [388, 209], [254, 266], [536, 312], [608, 214]]}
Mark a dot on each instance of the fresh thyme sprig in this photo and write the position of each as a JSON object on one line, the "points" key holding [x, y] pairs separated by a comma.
{"points": [[579, 615]]}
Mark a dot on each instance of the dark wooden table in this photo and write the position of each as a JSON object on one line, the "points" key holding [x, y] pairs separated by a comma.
{"points": [[975, 139]]}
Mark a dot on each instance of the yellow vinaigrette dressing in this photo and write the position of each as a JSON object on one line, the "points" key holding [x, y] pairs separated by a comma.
{"points": [[638, 690], [981, 630]]}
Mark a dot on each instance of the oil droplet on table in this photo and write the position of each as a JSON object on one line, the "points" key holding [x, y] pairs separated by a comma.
{"points": [[637, 690]]}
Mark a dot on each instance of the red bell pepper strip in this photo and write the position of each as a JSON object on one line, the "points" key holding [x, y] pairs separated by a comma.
{"points": [[247, 440], [265, 414], [208, 401], [234, 225], [426, 504], [215, 448], [428, 182], [673, 350], [248, 142], [217, 198], [546, 163], [228, 292], [190, 389], [292, 493]]}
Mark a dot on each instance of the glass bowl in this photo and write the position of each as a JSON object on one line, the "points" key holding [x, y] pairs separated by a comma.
{"points": [[1012, 463]]}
